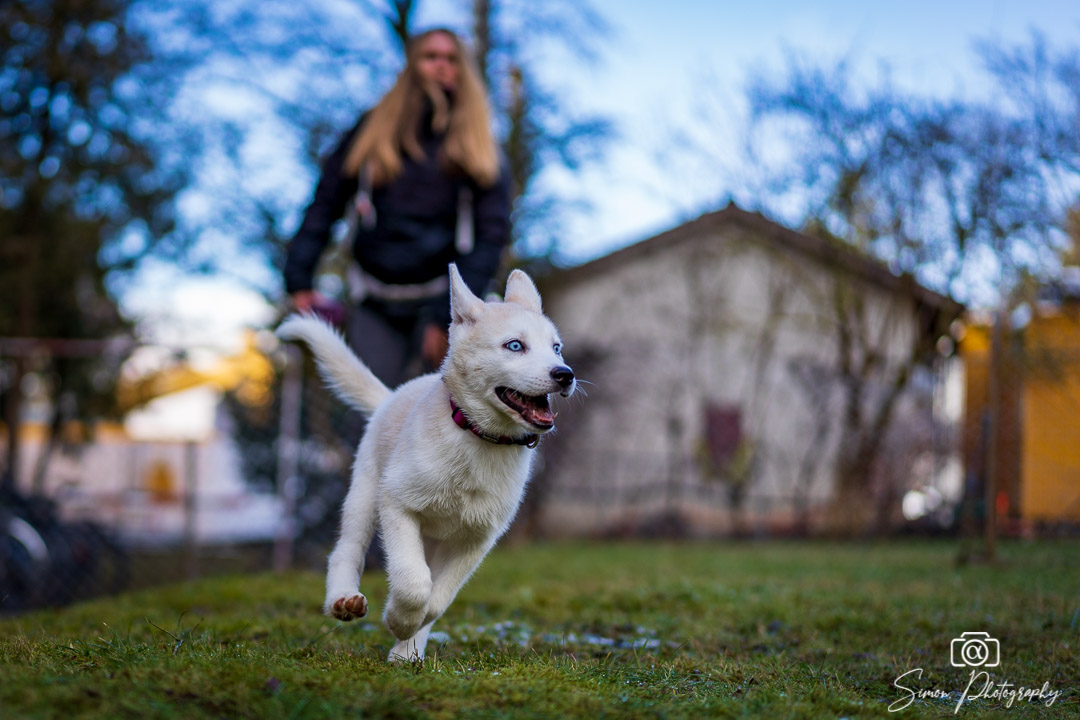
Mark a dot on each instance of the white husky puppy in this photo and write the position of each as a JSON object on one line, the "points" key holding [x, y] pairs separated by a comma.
{"points": [[444, 460]]}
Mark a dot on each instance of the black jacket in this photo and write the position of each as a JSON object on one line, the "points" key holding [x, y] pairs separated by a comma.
{"points": [[413, 239]]}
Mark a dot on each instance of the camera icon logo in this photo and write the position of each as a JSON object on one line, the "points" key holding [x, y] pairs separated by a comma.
{"points": [[975, 649]]}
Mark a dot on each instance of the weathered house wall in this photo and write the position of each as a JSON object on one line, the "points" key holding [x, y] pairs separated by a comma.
{"points": [[722, 318]]}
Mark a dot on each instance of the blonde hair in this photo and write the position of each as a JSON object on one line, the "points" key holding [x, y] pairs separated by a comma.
{"points": [[393, 125]]}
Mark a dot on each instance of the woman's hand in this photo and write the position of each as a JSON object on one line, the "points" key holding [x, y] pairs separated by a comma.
{"points": [[307, 300], [433, 346]]}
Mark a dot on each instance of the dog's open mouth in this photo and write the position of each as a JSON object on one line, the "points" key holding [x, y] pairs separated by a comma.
{"points": [[534, 409]]}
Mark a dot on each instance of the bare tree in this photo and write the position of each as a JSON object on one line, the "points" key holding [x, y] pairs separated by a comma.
{"points": [[539, 130], [89, 172], [270, 88], [967, 198]]}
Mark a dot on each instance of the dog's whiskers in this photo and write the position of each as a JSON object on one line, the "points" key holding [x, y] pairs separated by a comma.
{"points": [[581, 390]]}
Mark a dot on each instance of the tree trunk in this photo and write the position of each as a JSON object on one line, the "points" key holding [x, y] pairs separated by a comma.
{"points": [[482, 37], [12, 405], [993, 460]]}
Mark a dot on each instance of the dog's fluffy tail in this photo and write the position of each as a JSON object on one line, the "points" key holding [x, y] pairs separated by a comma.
{"points": [[344, 373]]}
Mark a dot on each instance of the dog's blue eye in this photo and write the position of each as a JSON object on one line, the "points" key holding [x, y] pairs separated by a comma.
{"points": [[514, 346], [558, 349]]}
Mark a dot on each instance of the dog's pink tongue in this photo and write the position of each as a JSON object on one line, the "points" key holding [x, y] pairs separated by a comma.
{"points": [[540, 417]]}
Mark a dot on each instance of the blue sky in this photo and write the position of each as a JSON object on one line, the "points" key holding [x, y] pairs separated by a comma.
{"points": [[663, 61]]}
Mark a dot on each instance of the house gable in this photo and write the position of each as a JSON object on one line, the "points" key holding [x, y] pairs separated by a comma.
{"points": [[728, 312]]}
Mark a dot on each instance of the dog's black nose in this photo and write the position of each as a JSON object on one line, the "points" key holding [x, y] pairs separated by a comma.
{"points": [[562, 375]]}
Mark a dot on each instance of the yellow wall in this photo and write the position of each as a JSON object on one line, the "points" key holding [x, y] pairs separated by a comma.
{"points": [[1038, 440], [1051, 412]]}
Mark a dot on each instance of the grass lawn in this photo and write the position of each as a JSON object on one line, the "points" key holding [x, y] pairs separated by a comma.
{"points": [[630, 630]]}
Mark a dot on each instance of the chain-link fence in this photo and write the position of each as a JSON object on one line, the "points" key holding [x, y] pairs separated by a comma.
{"points": [[216, 474], [986, 443], [259, 484], [685, 481]]}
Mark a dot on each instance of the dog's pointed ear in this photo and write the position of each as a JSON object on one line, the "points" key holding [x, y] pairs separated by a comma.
{"points": [[464, 305], [521, 291]]}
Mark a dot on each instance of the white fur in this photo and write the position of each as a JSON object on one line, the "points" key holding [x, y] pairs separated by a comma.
{"points": [[441, 495], [342, 371]]}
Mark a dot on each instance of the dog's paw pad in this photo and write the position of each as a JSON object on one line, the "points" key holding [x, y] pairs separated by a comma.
{"points": [[351, 608]]}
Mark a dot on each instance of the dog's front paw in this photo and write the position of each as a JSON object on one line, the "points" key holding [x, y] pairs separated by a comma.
{"points": [[349, 608]]}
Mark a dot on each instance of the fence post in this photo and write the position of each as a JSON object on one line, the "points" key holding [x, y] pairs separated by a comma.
{"points": [[993, 456], [288, 477], [12, 401], [191, 508]]}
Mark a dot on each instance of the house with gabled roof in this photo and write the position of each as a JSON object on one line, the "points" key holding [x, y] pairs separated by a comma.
{"points": [[745, 378]]}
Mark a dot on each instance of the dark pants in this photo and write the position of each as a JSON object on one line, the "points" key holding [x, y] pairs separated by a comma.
{"points": [[387, 345], [387, 337]]}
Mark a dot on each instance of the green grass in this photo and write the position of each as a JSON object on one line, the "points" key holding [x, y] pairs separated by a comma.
{"points": [[775, 630]]}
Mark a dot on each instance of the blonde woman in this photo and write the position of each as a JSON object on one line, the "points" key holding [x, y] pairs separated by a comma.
{"points": [[421, 179]]}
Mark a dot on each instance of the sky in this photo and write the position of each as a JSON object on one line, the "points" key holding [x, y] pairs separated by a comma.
{"points": [[665, 59], [659, 65]]}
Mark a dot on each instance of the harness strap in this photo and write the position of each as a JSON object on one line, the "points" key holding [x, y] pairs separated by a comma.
{"points": [[363, 285]]}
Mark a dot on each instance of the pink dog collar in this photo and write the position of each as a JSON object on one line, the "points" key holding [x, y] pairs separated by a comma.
{"points": [[463, 422]]}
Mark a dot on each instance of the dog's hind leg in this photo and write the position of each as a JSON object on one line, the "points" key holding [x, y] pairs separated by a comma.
{"points": [[411, 650], [346, 562]]}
